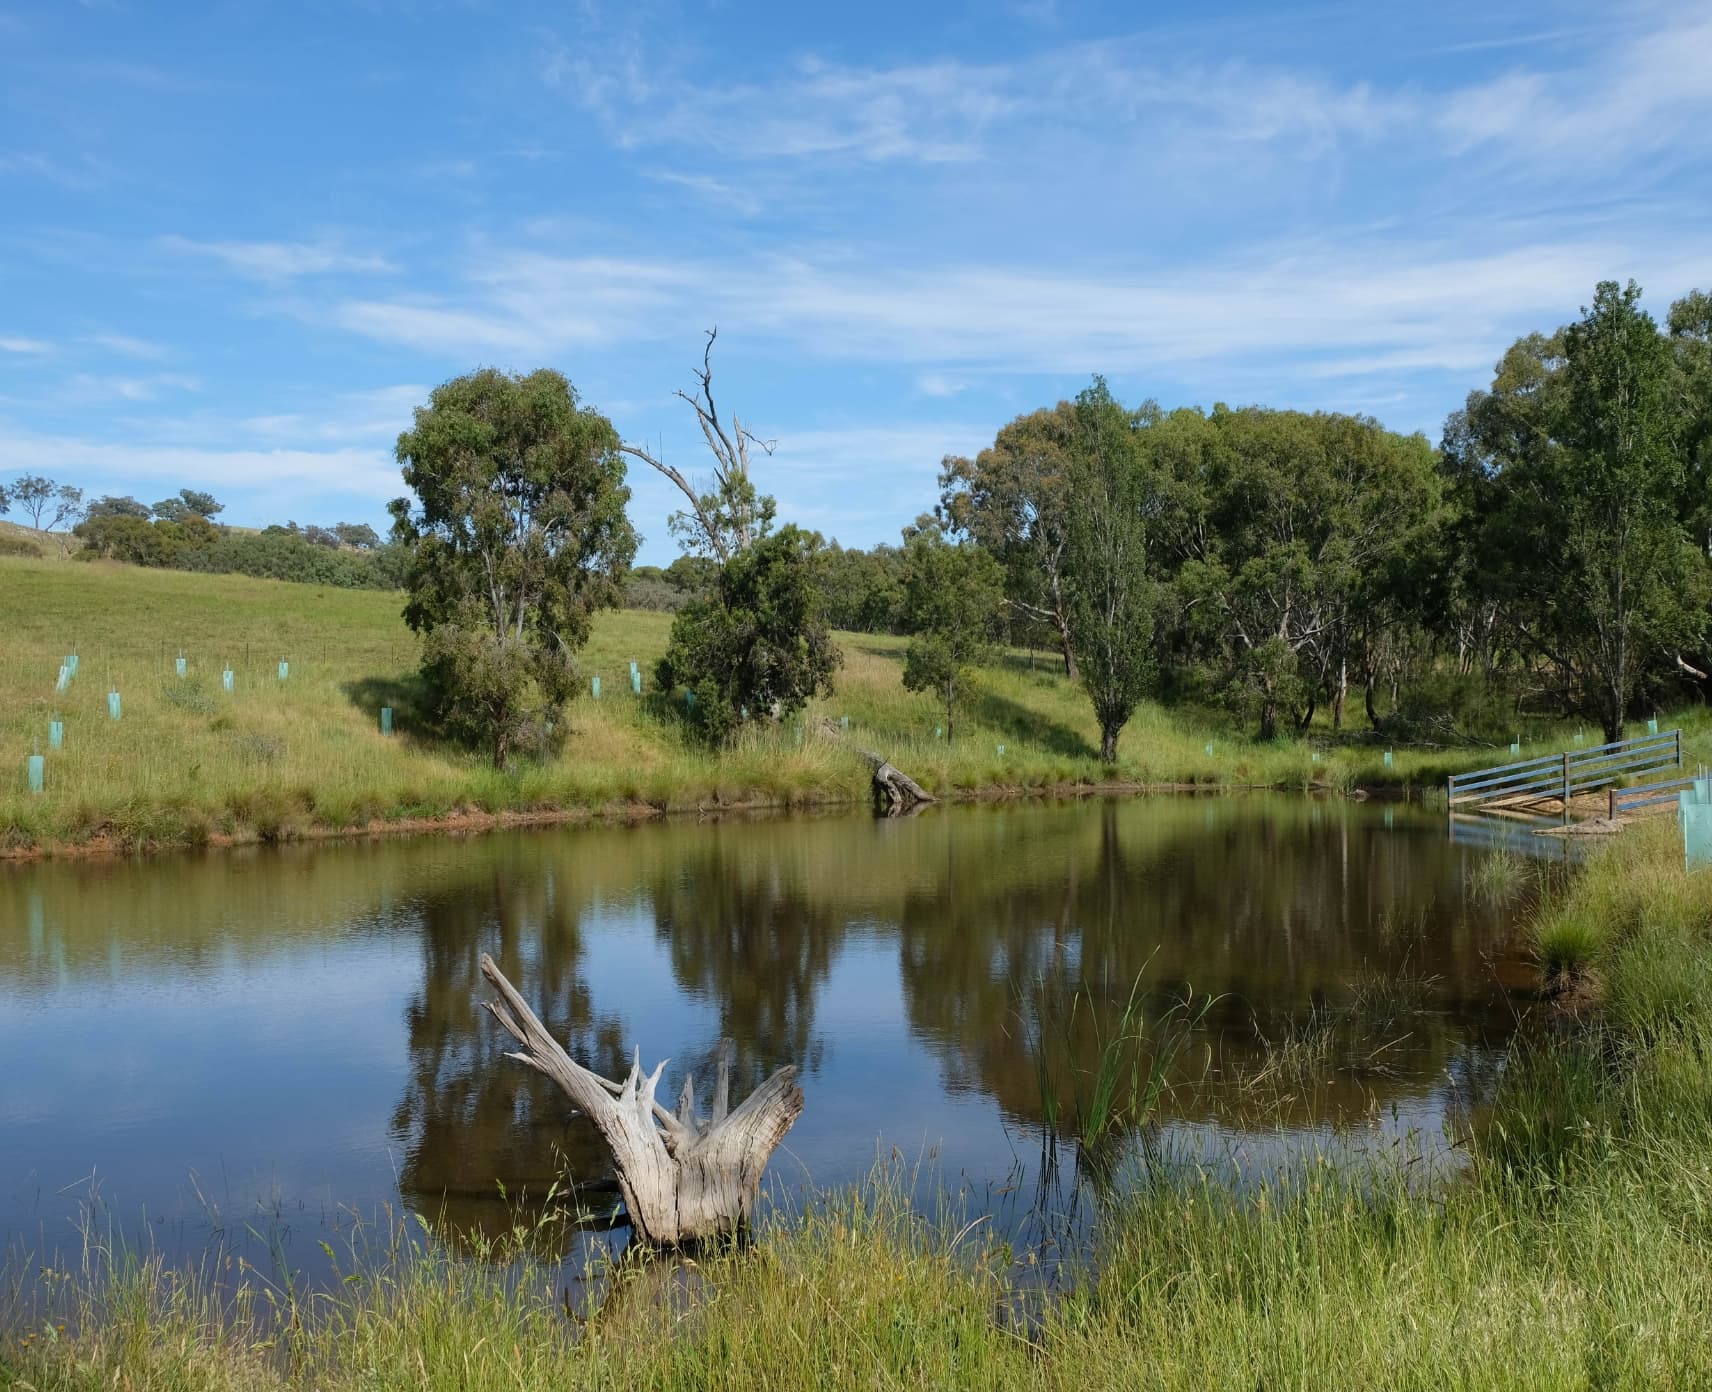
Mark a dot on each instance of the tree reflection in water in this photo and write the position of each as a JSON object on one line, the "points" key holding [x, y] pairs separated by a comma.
{"points": [[1347, 970]]}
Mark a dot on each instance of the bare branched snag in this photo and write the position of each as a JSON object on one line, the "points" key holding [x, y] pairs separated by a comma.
{"points": [[683, 1179], [733, 515]]}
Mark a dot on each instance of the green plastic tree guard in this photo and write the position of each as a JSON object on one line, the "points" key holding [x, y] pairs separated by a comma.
{"points": [[386, 720], [112, 705], [284, 670], [179, 667], [37, 772], [56, 734], [226, 679], [594, 685]]}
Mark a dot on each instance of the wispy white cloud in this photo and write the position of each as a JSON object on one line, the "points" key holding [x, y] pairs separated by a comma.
{"points": [[1650, 92], [77, 173], [739, 195], [1612, 89], [1340, 308], [106, 464], [34, 347], [279, 261], [92, 388], [941, 384], [126, 346]]}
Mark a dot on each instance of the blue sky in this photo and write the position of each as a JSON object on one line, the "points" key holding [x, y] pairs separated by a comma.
{"points": [[239, 241]]}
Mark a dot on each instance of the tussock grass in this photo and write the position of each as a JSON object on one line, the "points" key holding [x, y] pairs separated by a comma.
{"points": [[189, 763]]}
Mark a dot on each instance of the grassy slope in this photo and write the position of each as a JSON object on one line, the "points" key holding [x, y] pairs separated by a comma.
{"points": [[1577, 1255], [188, 762]]}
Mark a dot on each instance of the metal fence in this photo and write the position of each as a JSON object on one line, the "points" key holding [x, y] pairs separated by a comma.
{"points": [[1565, 775]]}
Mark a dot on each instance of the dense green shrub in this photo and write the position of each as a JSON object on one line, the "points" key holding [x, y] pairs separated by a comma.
{"points": [[193, 543]]}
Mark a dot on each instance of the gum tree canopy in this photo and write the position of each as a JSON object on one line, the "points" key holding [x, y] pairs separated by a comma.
{"points": [[516, 537]]}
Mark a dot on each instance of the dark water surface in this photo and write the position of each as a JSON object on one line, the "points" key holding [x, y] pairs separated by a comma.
{"points": [[264, 1042]]}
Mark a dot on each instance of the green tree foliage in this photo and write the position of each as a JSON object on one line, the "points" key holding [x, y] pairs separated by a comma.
{"points": [[954, 595], [359, 536], [109, 506], [1579, 466], [757, 639], [518, 535], [864, 589], [47, 504], [1015, 499], [137, 541], [1287, 537], [171, 510], [1110, 590], [199, 503], [1690, 326]]}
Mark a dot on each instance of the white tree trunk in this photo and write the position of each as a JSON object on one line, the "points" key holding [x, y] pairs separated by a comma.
{"points": [[683, 1179]]}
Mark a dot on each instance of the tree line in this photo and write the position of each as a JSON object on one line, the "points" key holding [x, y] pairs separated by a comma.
{"points": [[180, 533], [1550, 555]]}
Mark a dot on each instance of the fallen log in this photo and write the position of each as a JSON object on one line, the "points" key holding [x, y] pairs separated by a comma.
{"points": [[684, 1180], [895, 791]]}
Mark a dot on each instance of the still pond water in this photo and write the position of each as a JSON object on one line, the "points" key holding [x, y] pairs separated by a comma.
{"points": [[260, 1044]]}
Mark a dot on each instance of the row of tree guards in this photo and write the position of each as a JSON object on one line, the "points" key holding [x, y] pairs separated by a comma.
{"points": [[36, 764]]}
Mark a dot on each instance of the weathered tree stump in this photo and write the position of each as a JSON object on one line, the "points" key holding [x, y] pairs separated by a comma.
{"points": [[683, 1179], [895, 792]]}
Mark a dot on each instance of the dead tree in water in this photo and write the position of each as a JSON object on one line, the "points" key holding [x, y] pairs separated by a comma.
{"points": [[683, 1179], [895, 792]]}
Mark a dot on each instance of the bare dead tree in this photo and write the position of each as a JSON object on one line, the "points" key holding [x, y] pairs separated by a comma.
{"points": [[729, 518], [683, 1179]]}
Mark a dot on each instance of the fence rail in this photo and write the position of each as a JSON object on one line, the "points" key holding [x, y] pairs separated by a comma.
{"points": [[1564, 775], [1647, 795]]}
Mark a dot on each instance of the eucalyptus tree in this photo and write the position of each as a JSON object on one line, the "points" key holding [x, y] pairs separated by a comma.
{"points": [[1110, 589], [757, 640], [48, 505], [1584, 479], [516, 537], [953, 594], [1015, 499], [1288, 533]]}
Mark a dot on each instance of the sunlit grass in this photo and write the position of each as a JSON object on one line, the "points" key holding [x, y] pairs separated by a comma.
{"points": [[189, 762]]}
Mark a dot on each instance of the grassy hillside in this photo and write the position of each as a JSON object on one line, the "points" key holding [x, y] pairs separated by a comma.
{"points": [[188, 762]]}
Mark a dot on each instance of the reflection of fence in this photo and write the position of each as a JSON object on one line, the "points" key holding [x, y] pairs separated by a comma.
{"points": [[1563, 776], [1516, 833]]}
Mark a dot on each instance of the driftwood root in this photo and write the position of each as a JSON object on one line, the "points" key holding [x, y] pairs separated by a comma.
{"points": [[684, 1179]]}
